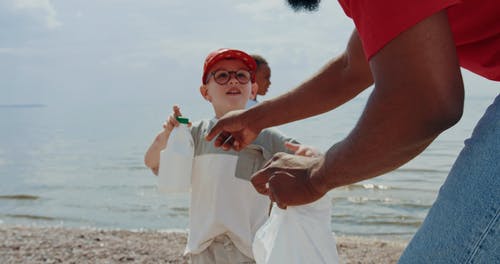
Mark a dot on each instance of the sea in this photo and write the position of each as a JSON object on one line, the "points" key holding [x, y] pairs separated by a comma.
{"points": [[81, 165]]}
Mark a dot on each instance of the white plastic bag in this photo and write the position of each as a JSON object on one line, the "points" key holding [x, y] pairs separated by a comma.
{"points": [[299, 234]]}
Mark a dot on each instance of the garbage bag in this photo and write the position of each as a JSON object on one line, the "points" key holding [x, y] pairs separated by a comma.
{"points": [[299, 234]]}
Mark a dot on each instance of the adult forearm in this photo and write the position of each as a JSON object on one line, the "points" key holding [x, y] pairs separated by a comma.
{"points": [[392, 130], [336, 83], [418, 94], [318, 95]]}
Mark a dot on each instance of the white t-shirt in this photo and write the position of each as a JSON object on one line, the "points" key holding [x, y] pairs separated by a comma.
{"points": [[223, 200]]}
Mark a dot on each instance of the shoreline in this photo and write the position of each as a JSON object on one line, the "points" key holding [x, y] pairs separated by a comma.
{"points": [[36, 244]]}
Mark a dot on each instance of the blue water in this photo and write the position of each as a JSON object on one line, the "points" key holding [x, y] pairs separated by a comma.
{"points": [[82, 166]]}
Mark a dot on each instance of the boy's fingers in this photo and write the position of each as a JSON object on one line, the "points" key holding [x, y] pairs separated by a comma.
{"points": [[292, 146], [173, 121], [177, 111]]}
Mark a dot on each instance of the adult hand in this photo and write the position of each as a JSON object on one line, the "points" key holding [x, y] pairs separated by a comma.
{"points": [[233, 131], [291, 179]]}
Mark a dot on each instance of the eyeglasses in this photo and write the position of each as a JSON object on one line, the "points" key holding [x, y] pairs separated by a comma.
{"points": [[222, 76]]}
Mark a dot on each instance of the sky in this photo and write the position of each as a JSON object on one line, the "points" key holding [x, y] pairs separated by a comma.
{"points": [[56, 51], [152, 51]]}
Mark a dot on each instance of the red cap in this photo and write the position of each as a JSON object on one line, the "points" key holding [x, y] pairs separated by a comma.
{"points": [[222, 54]]}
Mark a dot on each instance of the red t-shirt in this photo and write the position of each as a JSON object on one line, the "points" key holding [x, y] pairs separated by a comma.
{"points": [[475, 26]]}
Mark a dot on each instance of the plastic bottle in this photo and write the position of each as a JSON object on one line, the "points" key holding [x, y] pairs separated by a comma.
{"points": [[176, 160]]}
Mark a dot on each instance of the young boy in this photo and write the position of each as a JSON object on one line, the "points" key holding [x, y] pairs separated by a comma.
{"points": [[262, 74], [225, 210], [262, 78]]}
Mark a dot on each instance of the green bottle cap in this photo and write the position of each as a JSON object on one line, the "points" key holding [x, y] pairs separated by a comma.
{"points": [[182, 120]]}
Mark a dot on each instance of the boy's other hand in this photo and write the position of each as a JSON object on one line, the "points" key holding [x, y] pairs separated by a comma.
{"points": [[302, 150]]}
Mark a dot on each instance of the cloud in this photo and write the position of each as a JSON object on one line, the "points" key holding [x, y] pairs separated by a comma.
{"points": [[260, 9], [42, 9], [16, 51], [125, 44]]}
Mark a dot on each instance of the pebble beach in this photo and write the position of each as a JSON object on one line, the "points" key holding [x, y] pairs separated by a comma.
{"points": [[21, 244]]}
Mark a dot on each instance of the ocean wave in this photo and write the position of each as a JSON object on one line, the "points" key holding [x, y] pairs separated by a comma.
{"points": [[378, 220], [31, 217], [386, 201], [421, 170], [367, 186], [382, 187]]}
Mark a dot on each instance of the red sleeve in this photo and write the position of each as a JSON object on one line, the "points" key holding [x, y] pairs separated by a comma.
{"points": [[380, 21]]}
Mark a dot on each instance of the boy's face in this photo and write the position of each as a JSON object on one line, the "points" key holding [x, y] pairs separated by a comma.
{"points": [[230, 96], [262, 78]]}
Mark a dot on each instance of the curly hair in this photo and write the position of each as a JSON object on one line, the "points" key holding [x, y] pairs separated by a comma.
{"points": [[259, 60]]}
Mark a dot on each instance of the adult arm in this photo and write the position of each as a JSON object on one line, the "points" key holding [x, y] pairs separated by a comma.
{"points": [[336, 83], [418, 94]]}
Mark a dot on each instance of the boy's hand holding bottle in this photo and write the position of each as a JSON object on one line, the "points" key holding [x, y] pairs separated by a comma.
{"points": [[172, 121]]}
